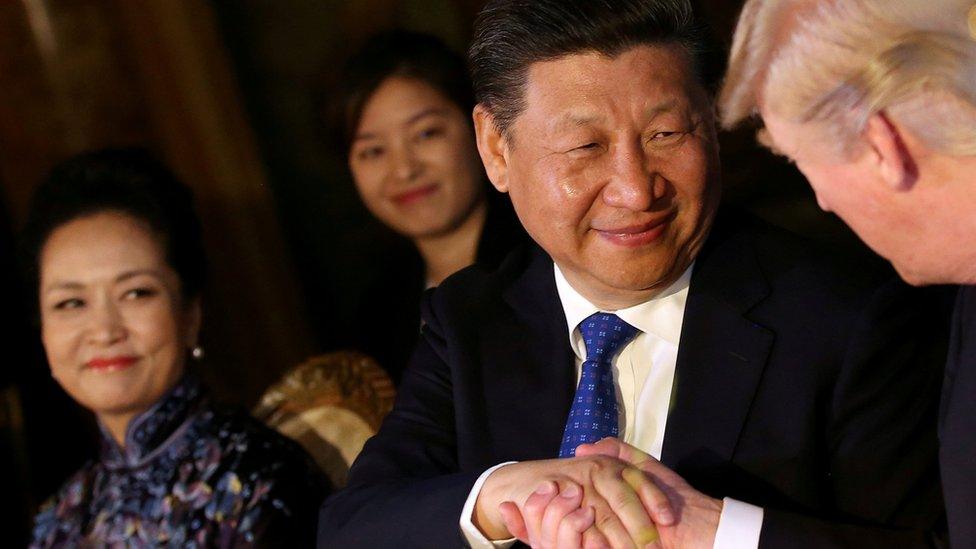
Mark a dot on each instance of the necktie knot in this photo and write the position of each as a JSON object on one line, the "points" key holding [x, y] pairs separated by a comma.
{"points": [[604, 335]]}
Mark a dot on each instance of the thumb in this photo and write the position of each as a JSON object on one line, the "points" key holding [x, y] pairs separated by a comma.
{"points": [[610, 447]]}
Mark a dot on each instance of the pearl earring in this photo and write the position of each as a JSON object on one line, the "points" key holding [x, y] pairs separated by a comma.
{"points": [[197, 352]]}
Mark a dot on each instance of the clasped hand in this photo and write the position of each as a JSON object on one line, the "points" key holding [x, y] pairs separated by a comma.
{"points": [[610, 495]]}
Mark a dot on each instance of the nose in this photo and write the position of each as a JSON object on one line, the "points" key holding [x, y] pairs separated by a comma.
{"points": [[406, 165], [106, 325], [632, 183]]}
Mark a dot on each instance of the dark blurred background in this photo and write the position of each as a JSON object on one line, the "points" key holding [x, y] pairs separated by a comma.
{"points": [[230, 94]]}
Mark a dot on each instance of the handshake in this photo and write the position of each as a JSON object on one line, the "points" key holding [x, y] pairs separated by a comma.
{"points": [[610, 495]]}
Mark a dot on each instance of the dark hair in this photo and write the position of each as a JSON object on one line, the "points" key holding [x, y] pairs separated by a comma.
{"points": [[397, 53], [129, 181], [511, 35]]}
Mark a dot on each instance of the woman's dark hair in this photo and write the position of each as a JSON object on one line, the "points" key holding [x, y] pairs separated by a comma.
{"points": [[129, 181], [397, 53], [511, 35]]}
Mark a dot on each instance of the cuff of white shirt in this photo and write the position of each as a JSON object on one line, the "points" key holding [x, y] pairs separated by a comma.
{"points": [[739, 525], [474, 537]]}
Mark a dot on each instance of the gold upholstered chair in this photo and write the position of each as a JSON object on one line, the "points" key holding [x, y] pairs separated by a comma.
{"points": [[330, 404]]}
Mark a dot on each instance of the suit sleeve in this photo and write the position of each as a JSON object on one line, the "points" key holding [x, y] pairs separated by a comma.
{"points": [[405, 489], [881, 433]]}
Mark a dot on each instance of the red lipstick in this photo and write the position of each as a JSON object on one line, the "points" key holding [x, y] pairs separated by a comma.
{"points": [[414, 195], [111, 364]]}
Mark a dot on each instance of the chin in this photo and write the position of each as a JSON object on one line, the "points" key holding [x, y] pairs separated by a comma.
{"points": [[111, 403], [110, 396], [916, 277], [637, 281], [433, 228]]}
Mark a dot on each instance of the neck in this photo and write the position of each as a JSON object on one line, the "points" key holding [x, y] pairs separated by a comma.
{"points": [[117, 425], [957, 187], [446, 253]]}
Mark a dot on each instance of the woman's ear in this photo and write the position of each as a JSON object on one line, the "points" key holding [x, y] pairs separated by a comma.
{"points": [[895, 162], [492, 146]]}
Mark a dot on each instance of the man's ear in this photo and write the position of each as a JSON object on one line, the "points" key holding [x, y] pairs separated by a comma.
{"points": [[492, 146], [895, 161]]}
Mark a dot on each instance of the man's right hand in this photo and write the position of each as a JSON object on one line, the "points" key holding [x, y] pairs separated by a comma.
{"points": [[626, 503]]}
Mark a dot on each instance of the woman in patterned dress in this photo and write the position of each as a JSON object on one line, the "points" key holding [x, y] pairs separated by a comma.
{"points": [[113, 249]]}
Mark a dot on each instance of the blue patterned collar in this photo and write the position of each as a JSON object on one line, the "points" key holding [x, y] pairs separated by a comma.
{"points": [[152, 431]]}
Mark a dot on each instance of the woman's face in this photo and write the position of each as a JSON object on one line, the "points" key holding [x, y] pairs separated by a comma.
{"points": [[114, 325], [414, 159]]}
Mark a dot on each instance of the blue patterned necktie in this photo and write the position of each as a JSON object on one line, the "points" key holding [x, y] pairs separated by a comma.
{"points": [[593, 415]]}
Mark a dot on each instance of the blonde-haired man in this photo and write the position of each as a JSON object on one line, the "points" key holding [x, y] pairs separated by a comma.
{"points": [[875, 102]]}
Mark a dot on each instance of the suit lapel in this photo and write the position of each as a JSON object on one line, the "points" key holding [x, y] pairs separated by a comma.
{"points": [[721, 355], [530, 378]]}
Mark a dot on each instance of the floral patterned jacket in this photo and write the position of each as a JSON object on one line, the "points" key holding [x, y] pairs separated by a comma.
{"points": [[190, 475]]}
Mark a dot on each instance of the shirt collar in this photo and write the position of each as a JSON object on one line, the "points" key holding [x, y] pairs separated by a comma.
{"points": [[660, 316]]}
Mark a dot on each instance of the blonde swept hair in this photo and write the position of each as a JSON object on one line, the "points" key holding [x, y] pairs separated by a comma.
{"points": [[835, 63]]}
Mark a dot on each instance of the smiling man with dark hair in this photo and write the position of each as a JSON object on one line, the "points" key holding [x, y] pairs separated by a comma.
{"points": [[790, 402]]}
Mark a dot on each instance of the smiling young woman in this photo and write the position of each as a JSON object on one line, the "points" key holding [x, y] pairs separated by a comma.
{"points": [[403, 112]]}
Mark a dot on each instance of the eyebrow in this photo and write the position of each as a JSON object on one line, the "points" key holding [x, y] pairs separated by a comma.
{"points": [[73, 285], [661, 108], [574, 120], [432, 111]]}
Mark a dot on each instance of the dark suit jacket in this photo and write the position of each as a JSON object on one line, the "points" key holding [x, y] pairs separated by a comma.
{"points": [[957, 429], [799, 387]]}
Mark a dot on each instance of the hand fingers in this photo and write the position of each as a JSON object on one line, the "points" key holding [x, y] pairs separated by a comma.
{"points": [[569, 535], [569, 499], [534, 510], [625, 502], [612, 527], [513, 520], [593, 539], [655, 502]]}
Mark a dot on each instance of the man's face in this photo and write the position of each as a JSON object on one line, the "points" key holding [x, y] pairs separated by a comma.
{"points": [[888, 221], [613, 169]]}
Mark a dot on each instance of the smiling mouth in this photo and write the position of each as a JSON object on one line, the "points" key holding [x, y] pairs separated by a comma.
{"points": [[111, 364], [414, 195], [634, 236]]}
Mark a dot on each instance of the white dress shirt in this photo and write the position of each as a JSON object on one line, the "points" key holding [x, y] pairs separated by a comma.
{"points": [[643, 374]]}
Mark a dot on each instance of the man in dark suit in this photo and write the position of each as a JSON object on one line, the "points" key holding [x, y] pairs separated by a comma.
{"points": [[884, 132], [790, 402]]}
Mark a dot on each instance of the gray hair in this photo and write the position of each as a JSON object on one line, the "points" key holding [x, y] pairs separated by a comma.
{"points": [[835, 63]]}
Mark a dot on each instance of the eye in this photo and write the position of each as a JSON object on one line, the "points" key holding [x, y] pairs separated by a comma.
{"points": [[664, 136], [139, 293], [370, 153], [68, 304], [587, 148], [430, 133]]}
